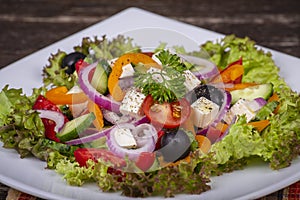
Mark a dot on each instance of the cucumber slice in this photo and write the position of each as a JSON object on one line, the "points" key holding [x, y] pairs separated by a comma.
{"points": [[253, 92], [100, 79], [72, 128]]}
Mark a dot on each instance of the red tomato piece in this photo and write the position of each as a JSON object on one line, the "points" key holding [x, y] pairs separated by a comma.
{"points": [[82, 155], [80, 64], [160, 133], [42, 103], [166, 114], [145, 160]]}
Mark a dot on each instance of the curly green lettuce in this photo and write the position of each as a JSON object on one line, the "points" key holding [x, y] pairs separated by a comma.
{"points": [[279, 143], [95, 49]]}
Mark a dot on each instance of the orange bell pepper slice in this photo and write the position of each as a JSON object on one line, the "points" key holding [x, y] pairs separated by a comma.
{"points": [[59, 96], [231, 74], [275, 97], [260, 125], [239, 86], [93, 107], [203, 143], [113, 87]]}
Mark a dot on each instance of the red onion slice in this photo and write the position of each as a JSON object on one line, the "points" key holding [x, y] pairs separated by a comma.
{"points": [[257, 104], [93, 94], [132, 154], [208, 71], [57, 117], [224, 108]]}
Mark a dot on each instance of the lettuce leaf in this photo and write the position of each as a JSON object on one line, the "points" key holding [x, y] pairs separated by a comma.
{"points": [[279, 143], [94, 49], [258, 64]]}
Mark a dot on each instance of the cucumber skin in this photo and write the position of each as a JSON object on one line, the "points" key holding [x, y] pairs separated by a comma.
{"points": [[100, 79], [75, 127], [253, 92]]}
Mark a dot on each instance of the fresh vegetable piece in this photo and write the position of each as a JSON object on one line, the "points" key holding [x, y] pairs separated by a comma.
{"points": [[275, 98], [145, 160], [252, 92], [69, 61], [42, 103], [99, 80], [239, 86], [167, 115], [231, 74], [113, 86], [80, 64], [72, 128], [144, 134], [56, 117], [160, 133], [59, 96], [82, 155], [260, 125], [53, 75], [175, 145], [203, 143], [266, 111], [213, 134], [103, 101], [94, 108]]}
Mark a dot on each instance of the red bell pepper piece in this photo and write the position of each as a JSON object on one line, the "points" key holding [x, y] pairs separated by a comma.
{"points": [[42, 103]]}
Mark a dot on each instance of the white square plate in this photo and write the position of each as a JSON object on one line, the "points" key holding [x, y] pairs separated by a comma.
{"points": [[147, 29]]}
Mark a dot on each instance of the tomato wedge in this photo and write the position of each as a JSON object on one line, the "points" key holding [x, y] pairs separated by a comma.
{"points": [[82, 155], [145, 160], [167, 115]]}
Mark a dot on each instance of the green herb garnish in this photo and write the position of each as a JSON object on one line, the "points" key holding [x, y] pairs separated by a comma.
{"points": [[171, 60], [163, 85]]}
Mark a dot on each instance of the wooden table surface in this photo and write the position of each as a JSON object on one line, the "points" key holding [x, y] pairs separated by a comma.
{"points": [[29, 25]]}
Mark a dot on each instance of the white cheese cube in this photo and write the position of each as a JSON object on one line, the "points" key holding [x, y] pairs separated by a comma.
{"points": [[132, 103], [124, 138], [204, 112], [127, 70], [191, 81], [238, 109]]}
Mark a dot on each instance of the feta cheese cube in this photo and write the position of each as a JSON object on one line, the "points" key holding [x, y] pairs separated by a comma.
{"points": [[132, 103], [238, 109], [204, 112], [124, 138], [191, 81], [127, 70]]}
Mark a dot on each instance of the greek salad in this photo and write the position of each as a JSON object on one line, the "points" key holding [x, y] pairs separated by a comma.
{"points": [[160, 122]]}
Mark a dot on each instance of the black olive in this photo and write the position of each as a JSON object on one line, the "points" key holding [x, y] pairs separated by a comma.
{"points": [[208, 91], [175, 145], [70, 60]]}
